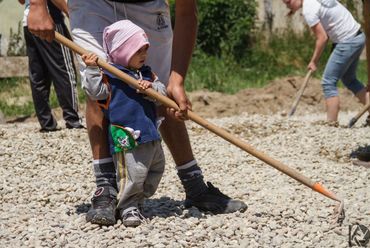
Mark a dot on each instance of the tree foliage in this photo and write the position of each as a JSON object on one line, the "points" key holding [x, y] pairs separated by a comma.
{"points": [[225, 26]]}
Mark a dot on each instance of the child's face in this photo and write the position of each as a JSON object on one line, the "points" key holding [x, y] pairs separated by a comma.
{"points": [[138, 59]]}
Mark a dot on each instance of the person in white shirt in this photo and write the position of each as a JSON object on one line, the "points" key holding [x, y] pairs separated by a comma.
{"points": [[329, 19]]}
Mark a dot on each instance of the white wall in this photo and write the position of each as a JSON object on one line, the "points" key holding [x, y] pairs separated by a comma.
{"points": [[11, 12], [278, 12], [280, 21], [279, 15]]}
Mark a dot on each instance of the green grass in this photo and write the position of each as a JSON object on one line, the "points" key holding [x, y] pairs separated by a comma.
{"points": [[16, 97], [283, 55]]}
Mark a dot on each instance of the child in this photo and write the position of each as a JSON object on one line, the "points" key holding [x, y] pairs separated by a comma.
{"points": [[330, 19], [134, 140]]}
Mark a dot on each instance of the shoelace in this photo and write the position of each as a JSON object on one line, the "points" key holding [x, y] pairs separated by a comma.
{"points": [[136, 213]]}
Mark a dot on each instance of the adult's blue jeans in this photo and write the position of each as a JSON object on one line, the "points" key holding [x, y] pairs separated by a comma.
{"points": [[342, 64]]}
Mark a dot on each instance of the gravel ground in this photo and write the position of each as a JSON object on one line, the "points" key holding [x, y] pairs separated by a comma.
{"points": [[46, 183]]}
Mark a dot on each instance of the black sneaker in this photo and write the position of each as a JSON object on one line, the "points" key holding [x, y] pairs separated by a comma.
{"points": [[75, 126], [367, 121], [214, 201], [103, 208], [49, 129]]}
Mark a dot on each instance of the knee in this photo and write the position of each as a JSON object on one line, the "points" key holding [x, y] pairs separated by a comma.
{"points": [[329, 88], [353, 85], [93, 111]]}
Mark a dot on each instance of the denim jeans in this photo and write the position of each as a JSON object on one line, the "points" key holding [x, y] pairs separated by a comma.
{"points": [[342, 64]]}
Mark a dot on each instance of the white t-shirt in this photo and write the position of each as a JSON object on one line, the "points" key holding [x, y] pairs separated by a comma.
{"points": [[26, 11], [337, 21]]}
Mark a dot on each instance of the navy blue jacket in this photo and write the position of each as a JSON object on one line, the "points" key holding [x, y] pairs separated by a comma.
{"points": [[127, 108]]}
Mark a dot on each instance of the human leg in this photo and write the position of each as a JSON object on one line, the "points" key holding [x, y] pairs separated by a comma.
{"points": [[40, 81], [132, 168], [342, 64], [88, 19], [332, 73], [155, 171], [349, 78], [103, 206], [362, 96], [97, 125], [332, 108], [59, 62]]}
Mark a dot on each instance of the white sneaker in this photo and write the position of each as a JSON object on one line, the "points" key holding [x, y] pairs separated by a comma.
{"points": [[132, 217]]}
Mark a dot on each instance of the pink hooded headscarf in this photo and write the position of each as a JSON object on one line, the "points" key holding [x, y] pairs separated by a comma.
{"points": [[122, 40]]}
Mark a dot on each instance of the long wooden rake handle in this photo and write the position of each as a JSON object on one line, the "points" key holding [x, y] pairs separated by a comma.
{"points": [[300, 93], [202, 122], [358, 116]]}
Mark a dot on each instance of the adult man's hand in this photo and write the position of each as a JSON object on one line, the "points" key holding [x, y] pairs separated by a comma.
{"points": [[176, 91], [185, 32], [312, 66], [39, 21]]}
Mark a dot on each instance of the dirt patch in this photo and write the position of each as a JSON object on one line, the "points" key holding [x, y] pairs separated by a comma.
{"points": [[276, 97]]}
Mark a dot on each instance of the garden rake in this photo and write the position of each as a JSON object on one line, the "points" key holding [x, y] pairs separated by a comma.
{"points": [[300, 93], [358, 116], [213, 128]]}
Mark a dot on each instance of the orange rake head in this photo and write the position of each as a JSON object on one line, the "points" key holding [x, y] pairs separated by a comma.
{"points": [[339, 213]]}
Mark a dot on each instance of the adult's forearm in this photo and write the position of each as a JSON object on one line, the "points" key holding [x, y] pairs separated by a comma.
{"points": [[321, 40], [319, 48], [185, 33]]}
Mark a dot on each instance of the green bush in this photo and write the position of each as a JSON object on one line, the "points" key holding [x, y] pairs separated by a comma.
{"points": [[225, 27]]}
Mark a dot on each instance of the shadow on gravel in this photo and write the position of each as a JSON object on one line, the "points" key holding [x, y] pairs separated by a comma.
{"points": [[82, 208], [19, 119], [362, 153], [163, 207]]}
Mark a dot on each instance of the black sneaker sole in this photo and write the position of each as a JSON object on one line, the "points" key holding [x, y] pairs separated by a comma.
{"points": [[101, 217], [225, 208], [101, 220]]}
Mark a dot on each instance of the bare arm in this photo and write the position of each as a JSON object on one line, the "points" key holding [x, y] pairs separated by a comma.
{"points": [[321, 40], [185, 33], [62, 5], [39, 20]]}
